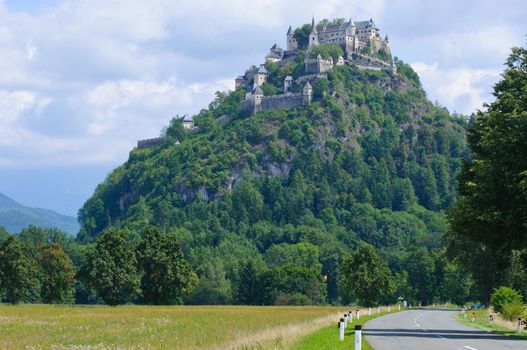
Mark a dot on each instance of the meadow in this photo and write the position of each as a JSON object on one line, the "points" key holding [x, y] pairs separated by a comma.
{"points": [[61, 327]]}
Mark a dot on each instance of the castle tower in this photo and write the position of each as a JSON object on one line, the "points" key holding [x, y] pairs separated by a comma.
{"points": [[292, 44], [313, 37], [188, 122], [260, 77], [258, 96], [307, 93], [288, 84]]}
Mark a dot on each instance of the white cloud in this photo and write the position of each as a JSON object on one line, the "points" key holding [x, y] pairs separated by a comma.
{"points": [[83, 80], [460, 89]]}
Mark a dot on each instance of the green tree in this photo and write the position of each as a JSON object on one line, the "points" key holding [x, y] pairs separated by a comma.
{"points": [[291, 279], [503, 296], [302, 35], [166, 276], [19, 272], [111, 268], [57, 274], [3, 234], [248, 284], [492, 207], [300, 254], [421, 268], [456, 284], [367, 276]]}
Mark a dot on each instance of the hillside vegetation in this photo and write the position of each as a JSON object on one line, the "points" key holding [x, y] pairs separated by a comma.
{"points": [[268, 206]]}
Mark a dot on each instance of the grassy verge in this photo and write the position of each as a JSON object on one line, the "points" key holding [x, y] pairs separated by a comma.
{"points": [[158, 327], [328, 337], [499, 326]]}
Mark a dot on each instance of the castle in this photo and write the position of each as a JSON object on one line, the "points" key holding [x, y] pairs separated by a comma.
{"points": [[360, 41]]}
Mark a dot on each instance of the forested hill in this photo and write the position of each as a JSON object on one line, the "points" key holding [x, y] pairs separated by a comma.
{"points": [[370, 159], [15, 217]]}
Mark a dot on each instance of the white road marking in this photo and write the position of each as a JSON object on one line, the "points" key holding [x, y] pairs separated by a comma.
{"points": [[468, 347]]}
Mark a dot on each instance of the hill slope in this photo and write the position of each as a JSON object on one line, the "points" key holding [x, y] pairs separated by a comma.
{"points": [[15, 217], [370, 160]]}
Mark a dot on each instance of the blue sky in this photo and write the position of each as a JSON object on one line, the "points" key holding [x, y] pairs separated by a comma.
{"points": [[83, 80]]}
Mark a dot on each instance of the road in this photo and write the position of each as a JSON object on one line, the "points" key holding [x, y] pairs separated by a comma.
{"points": [[432, 330]]}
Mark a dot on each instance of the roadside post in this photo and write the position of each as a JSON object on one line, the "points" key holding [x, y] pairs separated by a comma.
{"points": [[491, 319], [369, 311], [378, 309], [350, 316], [341, 328], [519, 329], [345, 320], [473, 317], [358, 314], [358, 337], [399, 307], [389, 308]]}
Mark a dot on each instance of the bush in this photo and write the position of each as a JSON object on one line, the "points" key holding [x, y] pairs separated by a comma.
{"points": [[511, 311], [503, 296]]}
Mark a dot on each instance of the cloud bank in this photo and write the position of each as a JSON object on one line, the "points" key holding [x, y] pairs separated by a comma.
{"points": [[82, 81]]}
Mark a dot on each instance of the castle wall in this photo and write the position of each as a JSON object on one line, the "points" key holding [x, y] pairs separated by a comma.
{"points": [[149, 143], [282, 101]]}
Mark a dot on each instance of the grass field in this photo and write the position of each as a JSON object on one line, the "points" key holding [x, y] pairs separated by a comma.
{"points": [[499, 326], [327, 338], [151, 327]]}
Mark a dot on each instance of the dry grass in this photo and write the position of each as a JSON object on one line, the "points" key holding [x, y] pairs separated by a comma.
{"points": [[500, 325], [150, 327]]}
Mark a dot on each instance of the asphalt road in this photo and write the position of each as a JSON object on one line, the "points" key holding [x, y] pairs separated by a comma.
{"points": [[432, 330]]}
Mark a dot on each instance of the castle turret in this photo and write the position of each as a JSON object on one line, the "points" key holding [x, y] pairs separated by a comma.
{"points": [[188, 122], [307, 93], [292, 44], [288, 84], [260, 77], [313, 37]]}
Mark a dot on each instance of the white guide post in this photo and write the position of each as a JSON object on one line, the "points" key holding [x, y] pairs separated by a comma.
{"points": [[358, 314], [358, 337], [345, 320], [341, 329], [369, 311]]}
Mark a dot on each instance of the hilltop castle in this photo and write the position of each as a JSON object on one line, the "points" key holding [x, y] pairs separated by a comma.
{"points": [[361, 44]]}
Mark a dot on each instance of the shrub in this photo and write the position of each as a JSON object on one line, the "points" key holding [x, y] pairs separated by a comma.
{"points": [[512, 311], [503, 296]]}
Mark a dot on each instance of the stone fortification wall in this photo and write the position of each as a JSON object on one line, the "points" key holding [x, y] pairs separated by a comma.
{"points": [[282, 101], [148, 143], [286, 101]]}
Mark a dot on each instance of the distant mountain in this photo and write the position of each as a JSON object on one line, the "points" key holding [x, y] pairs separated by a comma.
{"points": [[15, 216]]}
